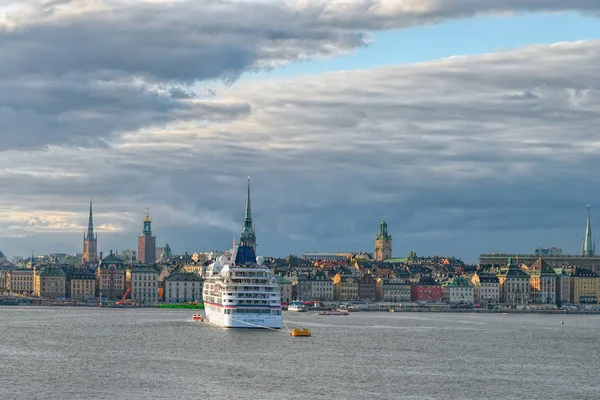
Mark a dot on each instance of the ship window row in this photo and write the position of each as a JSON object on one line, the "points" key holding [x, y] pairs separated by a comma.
{"points": [[251, 311], [238, 274]]}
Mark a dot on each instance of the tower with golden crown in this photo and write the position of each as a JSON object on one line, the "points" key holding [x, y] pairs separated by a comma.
{"points": [[147, 243]]}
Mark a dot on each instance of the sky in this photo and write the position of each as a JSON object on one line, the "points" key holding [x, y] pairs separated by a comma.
{"points": [[470, 125]]}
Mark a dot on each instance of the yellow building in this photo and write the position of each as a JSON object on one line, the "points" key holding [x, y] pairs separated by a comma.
{"points": [[383, 243], [51, 282], [585, 286], [20, 281], [82, 285], [345, 288]]}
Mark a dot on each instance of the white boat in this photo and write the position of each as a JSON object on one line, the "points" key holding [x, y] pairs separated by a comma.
{"points": [[297, 306], [238, 290]]}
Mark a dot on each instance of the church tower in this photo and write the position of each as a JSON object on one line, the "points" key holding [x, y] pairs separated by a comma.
{"points": [[383, 243], [589, 246], [147, 243], [248, 236], [90, 242]]}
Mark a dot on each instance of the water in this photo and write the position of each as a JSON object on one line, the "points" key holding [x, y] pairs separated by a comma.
{"points": [[82, 353]]}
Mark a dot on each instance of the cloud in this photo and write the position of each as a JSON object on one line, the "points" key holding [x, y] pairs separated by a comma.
{"points": [[84, 72], [441, 149]]}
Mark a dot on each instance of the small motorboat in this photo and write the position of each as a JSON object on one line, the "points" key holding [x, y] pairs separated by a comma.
{"points": [[300, 332], [197, 317]]}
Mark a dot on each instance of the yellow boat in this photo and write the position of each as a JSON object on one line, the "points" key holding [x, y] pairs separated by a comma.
{"points": [[300, 332]]}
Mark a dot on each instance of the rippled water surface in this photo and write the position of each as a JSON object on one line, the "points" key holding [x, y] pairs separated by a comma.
{"points": [[82, 353]]}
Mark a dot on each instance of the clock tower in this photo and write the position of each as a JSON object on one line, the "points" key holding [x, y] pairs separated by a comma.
{"points": [[383, 243]]}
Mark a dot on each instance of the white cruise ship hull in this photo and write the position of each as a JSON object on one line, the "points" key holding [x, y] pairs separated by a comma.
{"points": [[258, 321]]}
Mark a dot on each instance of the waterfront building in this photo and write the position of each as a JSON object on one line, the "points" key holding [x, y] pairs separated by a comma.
{"points": [[285, 288], [111, 277], [147, 243], [367, 288], [563, 286], [90, 242], [426, 289], [383, 243], [458, 290], [144, 284], [514, 284], [82, 285], [321, 286], [183, 288], [486, 287], [345, 287], [584, 286], [393, 290], [542, 282], [20, 281], [51, 282]]}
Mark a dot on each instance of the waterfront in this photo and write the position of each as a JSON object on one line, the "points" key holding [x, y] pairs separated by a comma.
{"points": [[57, 353]]}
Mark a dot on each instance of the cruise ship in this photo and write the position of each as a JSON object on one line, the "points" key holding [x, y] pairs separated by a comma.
{"points": [[238, 289]]}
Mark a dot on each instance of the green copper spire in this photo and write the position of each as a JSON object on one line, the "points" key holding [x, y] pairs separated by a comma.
{"points": [[588, 243], [248, 237], [147, 224], [383, 230]]}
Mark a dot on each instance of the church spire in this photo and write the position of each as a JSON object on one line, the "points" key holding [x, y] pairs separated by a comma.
{"points": [[90, 230], [248, 215], [248, 237], [588, 243]]}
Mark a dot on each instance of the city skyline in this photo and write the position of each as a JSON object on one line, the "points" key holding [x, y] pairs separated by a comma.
{"points": [[470, 128]]}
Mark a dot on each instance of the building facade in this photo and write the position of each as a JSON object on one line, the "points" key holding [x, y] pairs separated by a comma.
{"points": [[563, 286], [285, 289], [514, 284], [393, 290], [144, 284], [82, 285], [51, 282], [147, 243], [111, 277], [90, 242], [20, 281], [584, 286], [542, 282], [345, 288], [383, 243], [321, 286], [458, 290], [426, 290], [367, 288], [486, 288], [183, 288]]}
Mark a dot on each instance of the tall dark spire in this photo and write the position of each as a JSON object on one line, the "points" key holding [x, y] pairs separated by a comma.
{"points": [[588, 243], [246, 251], [90, 230], [248, 215]]}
